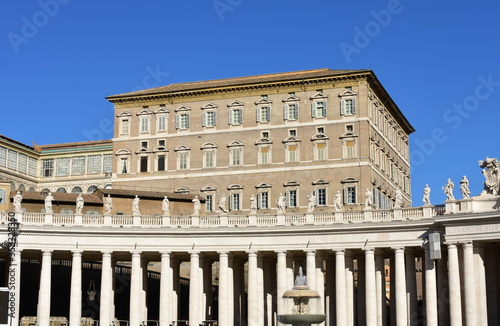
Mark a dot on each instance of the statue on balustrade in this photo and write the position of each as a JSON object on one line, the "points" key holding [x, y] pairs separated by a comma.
{"points": [[79, 204], [135, 206], [368, 198], [108, 205], [427, 196], [491, 173], [398, 202], [222, 204], [311, 202], [337, 201], [464, 187], [281, 204], [165, 206], [48, 203], [18, 198], [253, 204], [448, 190], [196, 206]]}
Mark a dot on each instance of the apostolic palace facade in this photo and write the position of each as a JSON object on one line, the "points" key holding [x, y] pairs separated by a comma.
{"points": [[212, 195]]}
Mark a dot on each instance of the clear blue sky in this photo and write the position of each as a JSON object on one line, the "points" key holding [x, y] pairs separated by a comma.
{"points": [[439, 60]]}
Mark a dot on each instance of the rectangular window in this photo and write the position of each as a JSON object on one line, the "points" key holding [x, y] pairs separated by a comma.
{"points": [[291, 197], [183, 161], [12, 160], [161, 162], [349, 149], [318, 109], [107, 163], [208, 119], [291, 111], [348, 106], [264, 200], [321, 197], [22, 164], [62, 166], [123, 165], [350, 195], [32, 166], [77, 165], [291, 153], [3, 200], [47, 167], [144, 164], [264, 155], [263, 113], [125, 127], [236, 156], [162, 123], [144, 144], [144, 124], [234, 202], [235, 116], [94, 164], [209, 161], [3, 156], [161, 143], [209, 203], [320, 151], [182, 121]]}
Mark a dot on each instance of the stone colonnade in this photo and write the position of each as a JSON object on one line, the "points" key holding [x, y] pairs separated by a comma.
{"points": [[369, 286]]}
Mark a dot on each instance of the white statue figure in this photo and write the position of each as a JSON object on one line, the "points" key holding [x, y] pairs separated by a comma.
{"points": [[165, 206], [281, 204], [491, 173], [337, 201], [222, 204], [448, 190], [311, 202], [196, 206], [135, 206], [108, 205], [48, 203], [464, 187], [399, 199], [79, 204], [427, 195], [368, 198], [253, 203], [18, 198]]}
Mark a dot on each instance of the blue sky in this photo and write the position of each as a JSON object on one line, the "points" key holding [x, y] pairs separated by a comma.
{"points": [[439, 60]]}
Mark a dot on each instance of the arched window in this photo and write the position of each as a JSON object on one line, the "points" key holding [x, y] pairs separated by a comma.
{"points": [[61, 189], [91, 189], [77, 190]]}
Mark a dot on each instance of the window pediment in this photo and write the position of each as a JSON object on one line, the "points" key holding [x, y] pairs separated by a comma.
{"points": [[318, 96], [349, 135], [347, 93], [209, 106], [263, 101], [123, 152], [143, 151], [182, 190], [161, 110], [145, 111], [349, 180], [235, 143], [182, 148], [263, 185], [235, 104], [208, 146], [320, 182], [235, 187], [291, 140], [124, 114], [264, 141], [291, 183], [161, 149], [320, 137], [183, 109], [291, 99], [208, 188]]}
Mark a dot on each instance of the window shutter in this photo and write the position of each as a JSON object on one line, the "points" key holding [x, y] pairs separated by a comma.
{"points": [[313, 109], [287, 199], [342, 107], [285, 115], [296, 112], [230, 117], [268, 114], [203, 119], [240, 116], [316, 194], [257, 113], [177, 121], [353, 106], [187, 120], [215, 118], [324, 108], [345, 195], [259, 201]]}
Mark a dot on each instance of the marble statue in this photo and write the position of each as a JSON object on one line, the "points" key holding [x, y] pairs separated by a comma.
{"points": [[448, 190], [427, 195], [337, 201], [108, 205], [311, 202], [48, 203], [399, 199], [18, 198], [300, 279], [491, 173], [135, 206], [222, 204], [79, 204], [196, 206], [368, 198], [281, 204], [253, 204], [165, 206], [464, 187]]}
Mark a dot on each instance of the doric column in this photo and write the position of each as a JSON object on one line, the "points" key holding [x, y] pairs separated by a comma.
{"points": [[15, 279], [238, 284], [469, 285], [106, 289], [260, 289], [454, 286], [359, 294], [194, 291], [165, 290], [340, 288], [290, 277], [311, 269], [144, 289], [330, 290], [380, 289], [431, 312], [223, 289], [281, 281], [349, 280], [320, 284], [75, 301], [411, 287], [175, 270], [135, 308], [480, 278], [370, 288], [401, 306], [253, 314], [43, 315], [230, 289]]}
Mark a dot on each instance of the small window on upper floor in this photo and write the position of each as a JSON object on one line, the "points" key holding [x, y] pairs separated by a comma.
{"points": [[161, 142], [144, 144], [265, 134]]}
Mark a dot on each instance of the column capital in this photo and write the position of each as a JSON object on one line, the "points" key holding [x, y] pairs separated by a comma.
{"points": [[76, 252], [223, 253], [252, 253], [165, 253], [369, 250], [398, 249], [280, 252], [467, 243], [339, 251], [451, 245], [194, 253], [106, 252], [310, 251], [47, 252]]}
